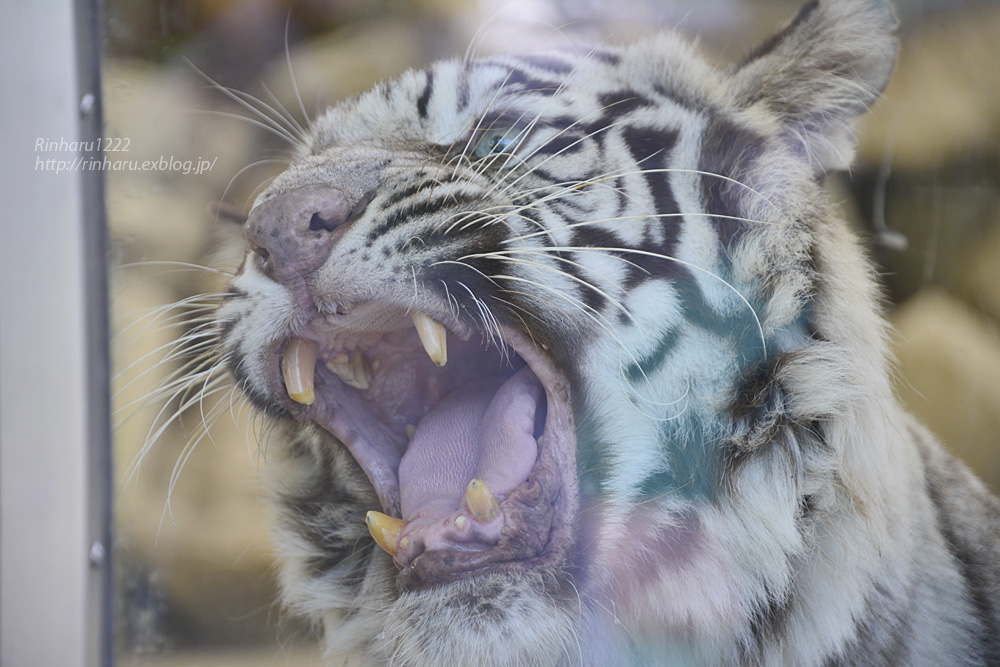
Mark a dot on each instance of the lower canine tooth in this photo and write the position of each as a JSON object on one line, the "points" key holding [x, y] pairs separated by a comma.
{"points": [[385, 529], [433, 336], [482, 504], [298, 368]]}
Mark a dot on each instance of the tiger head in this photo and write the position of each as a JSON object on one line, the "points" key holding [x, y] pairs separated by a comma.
{"points": [[568, 335]]}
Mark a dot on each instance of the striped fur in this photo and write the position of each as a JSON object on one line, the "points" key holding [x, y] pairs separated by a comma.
{"points": [[749, 491]]}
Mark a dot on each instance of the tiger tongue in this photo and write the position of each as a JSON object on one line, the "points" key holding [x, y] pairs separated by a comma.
{"points": [[484, 429]]}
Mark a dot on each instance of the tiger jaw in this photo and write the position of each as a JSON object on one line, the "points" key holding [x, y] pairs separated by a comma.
{"points": [[472, 459]]}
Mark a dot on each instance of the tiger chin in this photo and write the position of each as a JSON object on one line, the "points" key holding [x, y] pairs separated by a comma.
{"points": [[574, 363]]}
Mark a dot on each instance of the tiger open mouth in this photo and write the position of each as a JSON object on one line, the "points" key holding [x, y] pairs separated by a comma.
{"points": [[468, 441]]}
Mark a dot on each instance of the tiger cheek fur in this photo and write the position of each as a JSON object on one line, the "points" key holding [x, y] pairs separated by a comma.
{"points": [[609, 287]]}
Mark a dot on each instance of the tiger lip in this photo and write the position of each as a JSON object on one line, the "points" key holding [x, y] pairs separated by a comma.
{"points": [[338, 374]]}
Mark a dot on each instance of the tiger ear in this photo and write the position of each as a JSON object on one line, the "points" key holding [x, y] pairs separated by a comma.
{"points": [[820, 72]]}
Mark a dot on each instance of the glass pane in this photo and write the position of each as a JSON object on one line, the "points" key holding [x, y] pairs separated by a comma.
{"points": [[200, 98]]}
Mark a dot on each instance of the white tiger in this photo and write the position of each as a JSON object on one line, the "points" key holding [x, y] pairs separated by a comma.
{"points": [[581, 338]]}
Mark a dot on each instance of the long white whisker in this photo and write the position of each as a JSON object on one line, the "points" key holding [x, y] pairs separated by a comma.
{"points": [[676, 260], [283, 113], [291, 74]]}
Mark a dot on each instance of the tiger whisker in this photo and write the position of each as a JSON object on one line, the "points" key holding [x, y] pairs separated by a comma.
{"points": [[291, 76], [159, 424], [576, 279], [284, 114], [586, 310], [177, 348], [180, 265], [252, 165], [171, 382], [507, 187], [183, 458], [270, 118], [156, 319], [641, 216], [676, 260], [491, 326]]}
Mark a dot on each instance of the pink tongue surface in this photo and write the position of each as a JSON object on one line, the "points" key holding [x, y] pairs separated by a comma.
{"points": [[483, 429]]}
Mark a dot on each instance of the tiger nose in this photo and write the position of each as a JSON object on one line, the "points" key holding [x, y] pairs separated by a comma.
{"points": [[294, 232]]}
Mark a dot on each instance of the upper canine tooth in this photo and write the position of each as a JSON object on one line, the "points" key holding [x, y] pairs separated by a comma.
{"points": [[298, 368], [433, 336], [385, 529], [481, 502]]}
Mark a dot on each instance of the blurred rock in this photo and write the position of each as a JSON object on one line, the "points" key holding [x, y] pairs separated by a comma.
{"points": [[980, 279], [943, 101], [188, 511], [330, 68], [166, 119], [949, 366], [929, 150]]}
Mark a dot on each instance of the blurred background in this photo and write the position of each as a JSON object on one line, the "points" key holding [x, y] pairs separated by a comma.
{"points": [[195, 576]]}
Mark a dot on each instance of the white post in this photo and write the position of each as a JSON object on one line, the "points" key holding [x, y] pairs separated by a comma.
{"points": [[54, 552]]}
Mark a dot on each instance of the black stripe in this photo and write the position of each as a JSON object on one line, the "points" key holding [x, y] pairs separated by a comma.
{"points": [[569, 210], [526, 82], [650, 147], [546, 175], [548, 63], [728, 151], [400, 195], [326, 514], [233, 292], [648, 365], [463, 87], [260, 400], [584, 284], [659, 263], [767, 625], [411, 190], [976, 569], [620, 103], [562, 144], [425, 96], [417, 210], [775, 40], [226, 328], [740, 327], [612, 59], [881, 637]]}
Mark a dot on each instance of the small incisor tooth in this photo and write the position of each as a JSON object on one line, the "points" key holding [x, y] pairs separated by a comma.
{"points": [[385, 529], [362, 376], [482, 504], [298, 368], [353, 370], [433, 336]]}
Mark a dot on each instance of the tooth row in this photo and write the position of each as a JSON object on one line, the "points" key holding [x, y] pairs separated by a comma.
{"points": [[298, 367], [479, 501], [433, 336], [352, 369]]}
